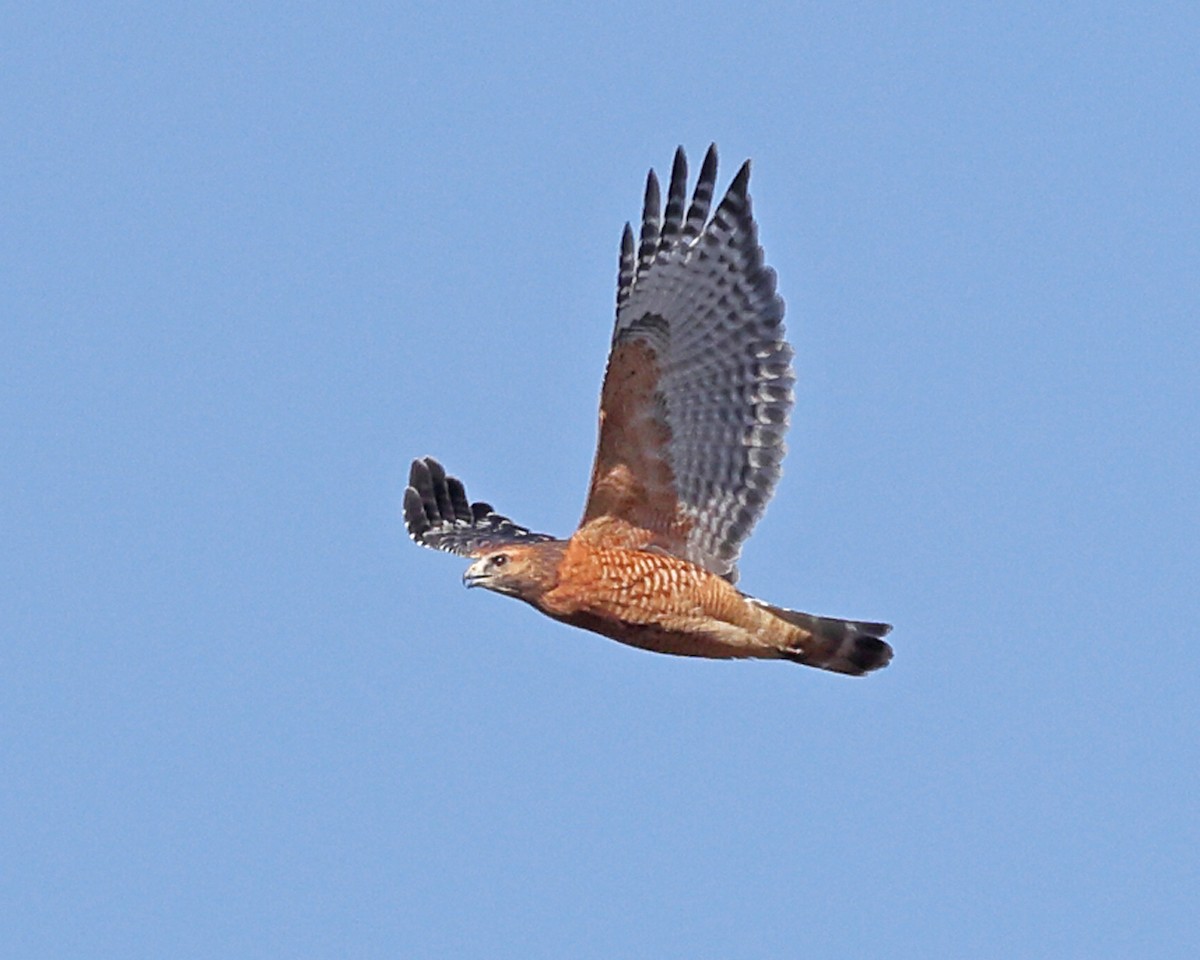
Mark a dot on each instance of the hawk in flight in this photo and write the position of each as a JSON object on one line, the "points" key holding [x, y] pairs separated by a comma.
{"points": [[693, 412]]}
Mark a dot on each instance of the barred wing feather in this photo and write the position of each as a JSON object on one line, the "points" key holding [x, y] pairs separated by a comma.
{"points": [[438, 515], [698, 388]]}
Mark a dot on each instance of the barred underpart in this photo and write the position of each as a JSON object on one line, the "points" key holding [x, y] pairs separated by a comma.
{"points": [[438, 515]]}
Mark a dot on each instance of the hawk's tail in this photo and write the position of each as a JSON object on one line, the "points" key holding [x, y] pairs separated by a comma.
{"points": [[844, 646]]}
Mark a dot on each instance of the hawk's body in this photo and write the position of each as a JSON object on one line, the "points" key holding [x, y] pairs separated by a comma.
{"points": [[693, 410]]}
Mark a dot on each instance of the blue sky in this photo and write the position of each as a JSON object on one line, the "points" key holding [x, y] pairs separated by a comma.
{"points": [[257, 257]]}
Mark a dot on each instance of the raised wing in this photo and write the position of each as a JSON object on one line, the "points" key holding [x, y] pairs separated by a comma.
{"points": [[438, 515], [698, 388]]}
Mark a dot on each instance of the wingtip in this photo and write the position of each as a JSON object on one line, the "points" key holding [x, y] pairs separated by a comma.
{"points": [[424, 466], [414, 511], [679, 164], [653, 197], [741, 180]]}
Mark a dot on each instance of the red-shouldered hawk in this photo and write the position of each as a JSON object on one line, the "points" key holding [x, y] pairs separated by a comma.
{"points": [[693, 411]]}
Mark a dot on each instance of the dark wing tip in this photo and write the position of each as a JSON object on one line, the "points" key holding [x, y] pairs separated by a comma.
{"points": [[741, 182], [697, 213], [676, 197], [626, 266], [652, 189], [652, 201], [437, 514], [742, 177], [422, 506], [415, 520], [651, 221]]}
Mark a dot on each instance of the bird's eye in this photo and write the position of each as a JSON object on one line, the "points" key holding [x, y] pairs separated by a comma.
{"points": [[499, 560]]}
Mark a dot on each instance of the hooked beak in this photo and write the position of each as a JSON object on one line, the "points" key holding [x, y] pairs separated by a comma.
{"points": [[474, 575]]}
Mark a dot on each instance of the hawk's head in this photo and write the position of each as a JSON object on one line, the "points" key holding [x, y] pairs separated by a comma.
{"points": [[524, 571]]}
